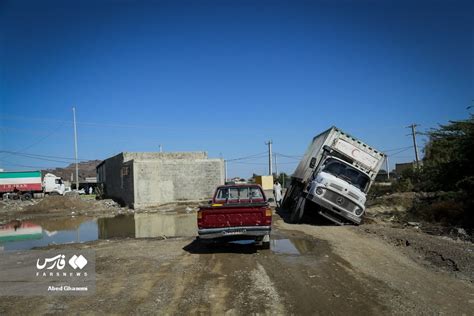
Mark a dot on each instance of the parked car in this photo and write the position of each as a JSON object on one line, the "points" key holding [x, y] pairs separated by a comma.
{"points": [[236, 212], [80, 191]]}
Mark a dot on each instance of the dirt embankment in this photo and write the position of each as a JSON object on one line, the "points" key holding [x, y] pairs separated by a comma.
{"points": [[428, 212], [60, 203], [58, 206]]}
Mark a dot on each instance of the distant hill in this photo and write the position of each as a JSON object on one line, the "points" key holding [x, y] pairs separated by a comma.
{"points": [[86, 169]]}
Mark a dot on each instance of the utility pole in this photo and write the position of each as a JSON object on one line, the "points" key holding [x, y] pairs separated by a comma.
{"points": [[386, 167], [225, 171], [225, 167], [75, 147], [413, 133], [276, 165], [270, 167]]}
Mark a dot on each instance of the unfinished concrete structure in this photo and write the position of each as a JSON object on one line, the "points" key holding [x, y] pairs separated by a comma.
{"points": [[149, 178]]}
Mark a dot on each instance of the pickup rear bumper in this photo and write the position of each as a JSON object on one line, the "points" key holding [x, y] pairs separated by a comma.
{"points": [[251, 231]]}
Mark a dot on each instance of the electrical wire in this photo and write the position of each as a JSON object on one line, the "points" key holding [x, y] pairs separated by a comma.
{"points": [[395, 149], [23, 166], [399, 152], [35, 143], [259, 155], [30, 155]]}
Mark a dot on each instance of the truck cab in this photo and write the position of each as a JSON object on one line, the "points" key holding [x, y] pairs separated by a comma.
{"points": [[339, 186], [53, 185]]}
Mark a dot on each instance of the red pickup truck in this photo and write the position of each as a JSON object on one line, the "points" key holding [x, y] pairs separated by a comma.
{"points": [[236, 212]]}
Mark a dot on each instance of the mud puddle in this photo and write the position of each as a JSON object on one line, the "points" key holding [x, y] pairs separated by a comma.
{"points": [[23, 235], [291, 246]]}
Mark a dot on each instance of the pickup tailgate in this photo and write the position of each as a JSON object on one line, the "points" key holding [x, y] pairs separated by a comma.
{"points": [[234, 216]]}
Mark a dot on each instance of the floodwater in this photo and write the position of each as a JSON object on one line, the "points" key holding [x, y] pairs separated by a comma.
{"points": [[28, 234], [22, 235]]}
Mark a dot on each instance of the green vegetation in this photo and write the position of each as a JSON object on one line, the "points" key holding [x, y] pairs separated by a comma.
{"points": [[446, 169], [447, 165]]}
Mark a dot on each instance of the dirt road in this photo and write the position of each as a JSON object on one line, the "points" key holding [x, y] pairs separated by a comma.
{"points": [[318, 270]]}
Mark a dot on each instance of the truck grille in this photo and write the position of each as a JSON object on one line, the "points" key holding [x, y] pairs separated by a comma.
{"points": [[339, 200]]}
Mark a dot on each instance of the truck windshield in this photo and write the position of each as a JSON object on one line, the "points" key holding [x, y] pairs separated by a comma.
{"points": [[346, 173]]}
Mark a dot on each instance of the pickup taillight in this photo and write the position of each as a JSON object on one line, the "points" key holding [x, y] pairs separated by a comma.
{"points": [[268, 212], [199, 215]]}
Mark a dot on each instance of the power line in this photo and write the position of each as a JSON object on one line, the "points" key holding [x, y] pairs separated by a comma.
{"points": [[115, 125], [264, 163], [30, 155], [46, 159], [395, 149], [399, 152], [35, 143], [259, 155], [24, 166], [296, 157]]}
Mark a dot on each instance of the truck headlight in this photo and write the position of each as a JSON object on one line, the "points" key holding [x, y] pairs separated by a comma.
{"points": [[358, 211], [319, 191]]}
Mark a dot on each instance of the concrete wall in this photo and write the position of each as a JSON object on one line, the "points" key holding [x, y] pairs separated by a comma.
{"points": [[147, 179], [266, 182], [162, 156], [118, 179], [164, 181], [158, 225]]}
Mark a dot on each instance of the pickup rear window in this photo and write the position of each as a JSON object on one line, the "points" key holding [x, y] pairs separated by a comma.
{"points": [[238, 193]]}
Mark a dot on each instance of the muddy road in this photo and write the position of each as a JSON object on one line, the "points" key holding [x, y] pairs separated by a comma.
{"points": [[318, 270]]}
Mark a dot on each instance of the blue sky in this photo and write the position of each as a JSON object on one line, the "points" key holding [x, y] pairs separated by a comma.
{"points": [[226, 76]]}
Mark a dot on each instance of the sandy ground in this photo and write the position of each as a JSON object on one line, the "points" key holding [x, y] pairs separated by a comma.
{"points": [[372, 269]]}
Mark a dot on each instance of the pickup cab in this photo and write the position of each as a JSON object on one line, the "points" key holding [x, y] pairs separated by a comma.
{"points": [[236, 212]]}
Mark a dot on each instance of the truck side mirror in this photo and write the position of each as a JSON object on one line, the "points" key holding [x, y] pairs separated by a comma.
{"points": [[312, 163]]}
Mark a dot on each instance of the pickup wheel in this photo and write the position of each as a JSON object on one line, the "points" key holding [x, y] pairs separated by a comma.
{"points": [[265, 245]]}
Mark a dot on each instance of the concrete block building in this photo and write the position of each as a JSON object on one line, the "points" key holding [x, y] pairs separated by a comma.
{"points": [[153, 178]]}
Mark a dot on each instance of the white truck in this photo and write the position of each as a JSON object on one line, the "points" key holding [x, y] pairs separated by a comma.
{"points": [[333, 178], [27, 184], [54, 185]]}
